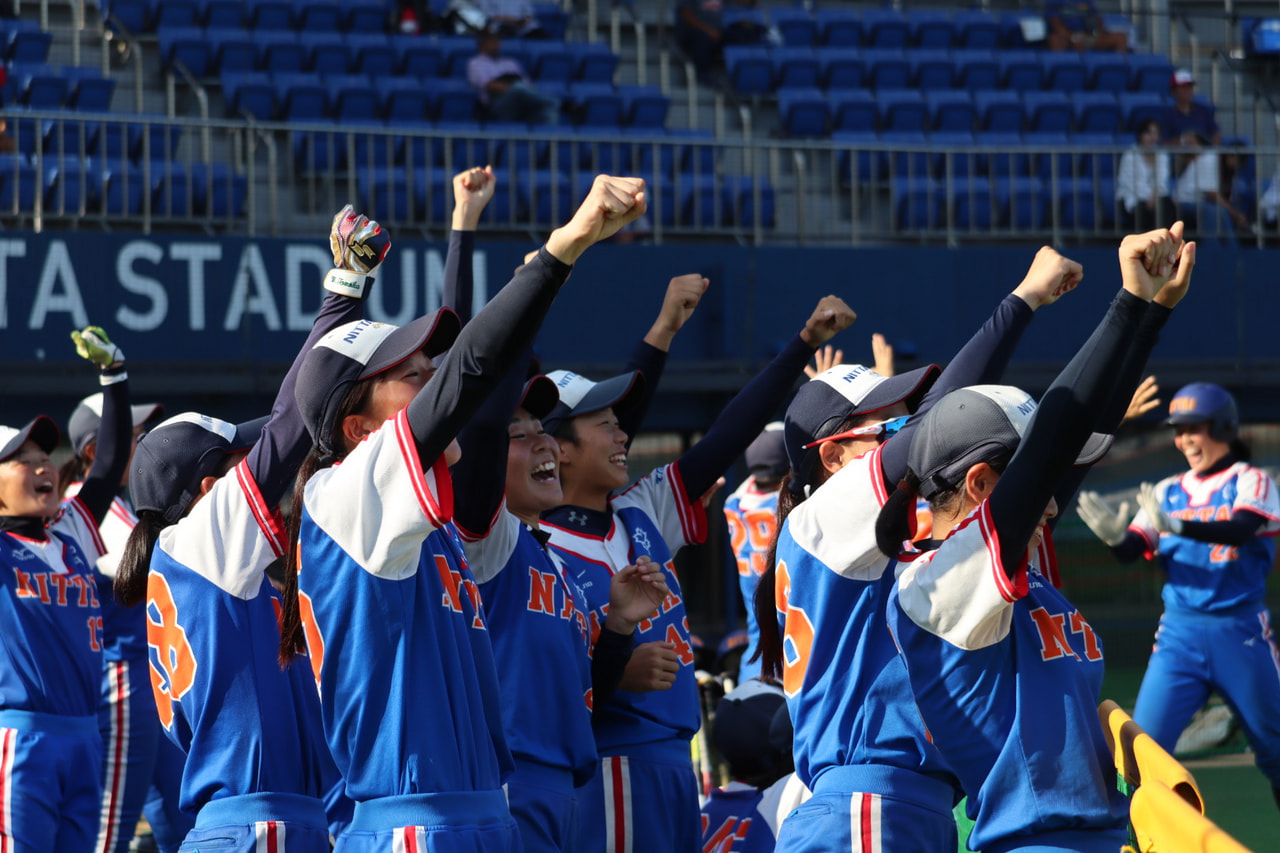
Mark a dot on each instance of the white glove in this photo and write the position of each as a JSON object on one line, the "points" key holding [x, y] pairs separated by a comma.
{"points": [[1160, 519], [359, 245], [1107, 524]]}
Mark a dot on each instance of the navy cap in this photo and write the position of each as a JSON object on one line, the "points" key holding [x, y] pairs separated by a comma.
{"points": [[767, 455], [356, 351], [539, 397], [833, 396], [981, 423], [740, 728], [43, 431], [82, 428], [580, 396], [177, 455]]}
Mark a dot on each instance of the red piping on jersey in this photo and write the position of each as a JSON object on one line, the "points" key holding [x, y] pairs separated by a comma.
{"points": [[864, 823], [270, 526], [619, 807], [877, 476], [582, 557], [119, 737], [6, 783], [693, 515], [120, 511], [1011, 589], [437, 512], [467, 536], [89, 522]]}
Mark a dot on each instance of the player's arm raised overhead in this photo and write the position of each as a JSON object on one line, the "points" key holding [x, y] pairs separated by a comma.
{"points": [[115, 432]]}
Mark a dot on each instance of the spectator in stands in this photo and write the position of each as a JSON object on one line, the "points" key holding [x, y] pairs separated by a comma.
{"points": [[1144, 182], [701, 33], [1187, 117], [1270, 203], [414, 17], [1204, 194], [505, 18], [7, 143], [1077, 25], [503, 88]]}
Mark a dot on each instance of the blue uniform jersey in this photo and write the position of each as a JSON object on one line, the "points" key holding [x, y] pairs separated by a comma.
{"points": [[653, 518], [752, 517], [50, 621], [1204, 576], [846, 686], [733, 821], [246, 725], [1006, 674], [541, 638], [395, 628]]}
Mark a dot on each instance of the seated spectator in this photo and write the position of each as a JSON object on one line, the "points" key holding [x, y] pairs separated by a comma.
{"points": [[1204, 194], [506, 18], [1143, 182], [1187, 118], [7, 143], [1077, 25], [1270, 202], [701, 33], [503, 88]]}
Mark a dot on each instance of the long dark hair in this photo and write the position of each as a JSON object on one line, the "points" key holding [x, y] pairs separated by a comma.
{"points": [[72, 471], [894, 523], [292, 637]]}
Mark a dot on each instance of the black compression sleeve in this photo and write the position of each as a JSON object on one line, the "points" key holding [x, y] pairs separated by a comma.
{"points": [[1133, 547], [274, 460], [980, 361], [1067, 415], [650, 361], [1239, 529], [115, 437], [742, 419], [479, 477], [458, 275], [483, 354], [609, 658]]}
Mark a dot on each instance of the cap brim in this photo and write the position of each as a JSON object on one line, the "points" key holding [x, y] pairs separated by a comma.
{"points": [[540, 397], [43, 431], [909, 388], [1095, 448], [620, 393], [144, 413], [432, 334]]}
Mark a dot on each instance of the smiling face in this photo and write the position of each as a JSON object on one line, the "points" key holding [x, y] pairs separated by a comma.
{"points": [[392, 390], [29, 483], [1201, 450], [593, 462], [533, 469]]}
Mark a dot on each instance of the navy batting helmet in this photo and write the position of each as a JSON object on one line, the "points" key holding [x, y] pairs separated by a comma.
{"points": [[1204, 402]]}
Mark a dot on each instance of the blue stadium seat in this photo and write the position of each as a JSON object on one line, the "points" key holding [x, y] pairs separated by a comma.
{"points": [[372, 54], [976, 70], [353, 98], [318, 16], [373, 149], [1099, 163], [885, 28], [738, 200], [404, 100], [26, 42], [453, 100], [842, 68], [1078, 204], [416, 56], [302, 96], [599, 104], [553, 19], [931, 69], [234, 51], [1149, 73], [549, 61], [999, 111], [750, 69], [26, 131], [644, 106], [838, 27], [189, 46], [1005, 155], [327, 53], [151, 139], [803, 112], [90, 92], [853, 110], [551, 197], [915, 204], [68, 185], [218, 14], [69, 136], [1020, 70], [1047, 111], [171, 190], [951, 110], [596, 63], [270, 15], [386, 194], [869, 164], [219, 191], [366, 16], [1096, 112], [123, 188], [973, 206], [909, 157], [796, 26], [133, 15], [902, 110], [931, 29], [1135, 107], [1052, 154], [1023, 202], [45, 90], [977, 31], [953, 150], [18, 179], [1064, 71], [281, 52], [1106, 72], [796, 68], [1012, 36], [886, 68], [174, 13]]}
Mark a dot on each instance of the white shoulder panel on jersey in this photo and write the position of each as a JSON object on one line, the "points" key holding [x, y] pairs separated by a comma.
{"points": [[836, 524], [961, 591], [75, 521], [379, 505], [1256, 492], [489, 555], [229, 536], [662, 497]]}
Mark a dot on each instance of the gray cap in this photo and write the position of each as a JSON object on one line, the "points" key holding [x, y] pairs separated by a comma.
{"points": [[82, 429], [43, 431], [981, 423]]}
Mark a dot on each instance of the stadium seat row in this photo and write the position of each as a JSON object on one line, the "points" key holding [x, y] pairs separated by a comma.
{"points": [[353, 16], [23, 41], [754, 70], [984, 204], [74, 135], [44, 87]]}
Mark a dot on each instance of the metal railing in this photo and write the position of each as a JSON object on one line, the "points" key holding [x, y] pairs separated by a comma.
{"points": [[274, 178]]}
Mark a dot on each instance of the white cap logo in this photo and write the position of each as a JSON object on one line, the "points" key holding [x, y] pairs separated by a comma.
{"points": [[851, 381], [572, 386], [1017, 405], [220, 428], [357, 341], [7, 434]]}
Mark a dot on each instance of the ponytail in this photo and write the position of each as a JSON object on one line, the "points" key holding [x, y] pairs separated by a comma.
{"points": [[893, 524], [769, 649], [130, 584]]}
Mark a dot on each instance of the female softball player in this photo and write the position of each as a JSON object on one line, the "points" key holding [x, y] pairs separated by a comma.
{"points": [[51, 623], [877, 781], [257, 773], [542, 642], [1005, 672], [1212, 529], [381, 590], [644, 733], [141, 769]]}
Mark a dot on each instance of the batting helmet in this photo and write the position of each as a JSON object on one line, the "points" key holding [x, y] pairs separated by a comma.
{"points": [[1204, 402]]}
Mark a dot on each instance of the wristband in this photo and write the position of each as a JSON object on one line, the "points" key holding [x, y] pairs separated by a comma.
{"points": [[112, 376], [346, 283]]}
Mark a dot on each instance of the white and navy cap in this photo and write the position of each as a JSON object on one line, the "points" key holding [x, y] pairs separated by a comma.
{"points": [[981, 423], [767, 454], [580, 396], [356, 351], [82, 428], [833, 396], [43, 431], [172, 459]]}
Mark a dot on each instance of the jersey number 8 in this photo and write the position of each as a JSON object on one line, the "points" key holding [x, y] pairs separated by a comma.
{"points": [[173, 664]]}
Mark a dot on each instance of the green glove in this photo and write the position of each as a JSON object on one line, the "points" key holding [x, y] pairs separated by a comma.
{"points": [[93, 344]]}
